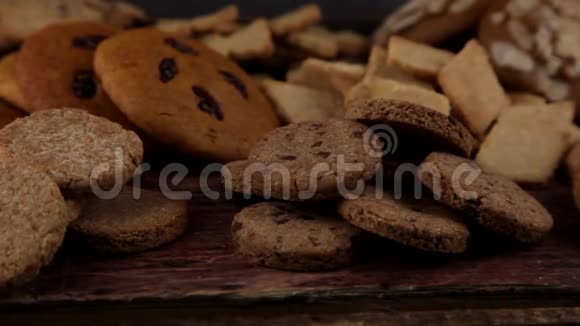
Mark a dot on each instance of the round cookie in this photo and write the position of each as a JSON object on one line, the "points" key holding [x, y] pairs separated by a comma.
{"points": [[496, 203], [21, 18], [289, 237], [431, 21], [308, 161], [9, 89], [127, 224], [535, 45], [184, 94], [421, 224], [75, 148], [54, 69], [33, 221], [8, 114], [430, 128]]}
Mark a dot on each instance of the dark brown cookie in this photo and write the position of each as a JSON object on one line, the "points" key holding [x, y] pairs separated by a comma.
{"points": [[184, 94], [33, 221], [286, 236], [55, 70], [496, 203], [308, 161], [128, 224], [75, 148], [432, 129], [422, 224]]}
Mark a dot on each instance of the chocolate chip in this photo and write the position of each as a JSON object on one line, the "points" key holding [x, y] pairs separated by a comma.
{"points": [[183, 48], [315, 242], [208, 103], [236, 226], [84, 85], [323, 154], [236, 82], [167, 70], [89, 42], [288, 157], [317, 144], [281, 219]]}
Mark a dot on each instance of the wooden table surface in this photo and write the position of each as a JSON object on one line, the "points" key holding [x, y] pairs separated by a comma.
{"points": [[200, 278]]}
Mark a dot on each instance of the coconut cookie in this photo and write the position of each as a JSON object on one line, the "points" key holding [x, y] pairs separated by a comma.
{"points": [[308, 161], [431, 21], [21, 18], [184, 94], [421, 224], [130, 223], [75, 148], [33, 221], [54, 69], [286, 236], [494, 202], [535, 46]]}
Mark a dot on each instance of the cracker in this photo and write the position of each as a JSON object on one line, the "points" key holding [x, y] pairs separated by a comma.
{"points": [[317, 41], [351, 43], [336, 76], [296, 20], [9, 90], [377, 66], [527, 142], [472, 86], [251, 42], [297, 103], [220, 21], [526, 99], [422, 61]]}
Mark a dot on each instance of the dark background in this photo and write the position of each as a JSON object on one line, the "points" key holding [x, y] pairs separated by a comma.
{"points": [[354, 11]]}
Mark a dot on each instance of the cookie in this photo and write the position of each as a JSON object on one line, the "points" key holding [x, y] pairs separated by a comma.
{"points": [[308, 161], [33, 221], [337, 77], [55, 69], [430, 128], [351, 44], [522, 98], [210, 23], [290, 237], [421, 60], [253, 41], [315, 41], [422, 224], [535, 46], [378, 67], [478, 105], [431, 21], [528, 142], [21, 18], [8, 114], [184, 94], [128, 224], [75, 148], [9, 89], [296, 20], [573, 165], [494, 202]]}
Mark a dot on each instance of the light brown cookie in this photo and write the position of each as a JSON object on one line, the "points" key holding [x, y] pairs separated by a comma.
{"points": [[296, 20], [210, 23], [8, 114], [33, 221], [55, 69], [315, 41], [337, 77], [431, 21], [308, 161], [184, 94], [21, 18], [75, 148], [494, 202], [421, 60], [128, 224], [9, 89], [431, 129], [421, 224], [290, 237], [522, 98]]}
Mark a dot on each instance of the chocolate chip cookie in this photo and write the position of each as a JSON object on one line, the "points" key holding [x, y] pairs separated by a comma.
{"points": [[421, 224], [130, 223], [184, 94], [75, 148], [33, 221], [290, 237], [308, 161], [431, 129], [54, 69], [494, 202], [9, 89]]}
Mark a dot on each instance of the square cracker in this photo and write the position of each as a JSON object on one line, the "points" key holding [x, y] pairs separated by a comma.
{"points": [[420, 60], [527, 142], [221, 21], [296, 20], [351, 43], [526, 99], [316, 41], [379, 67], [336, 76], [473, 87], [251, 42], [297, 103]]}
